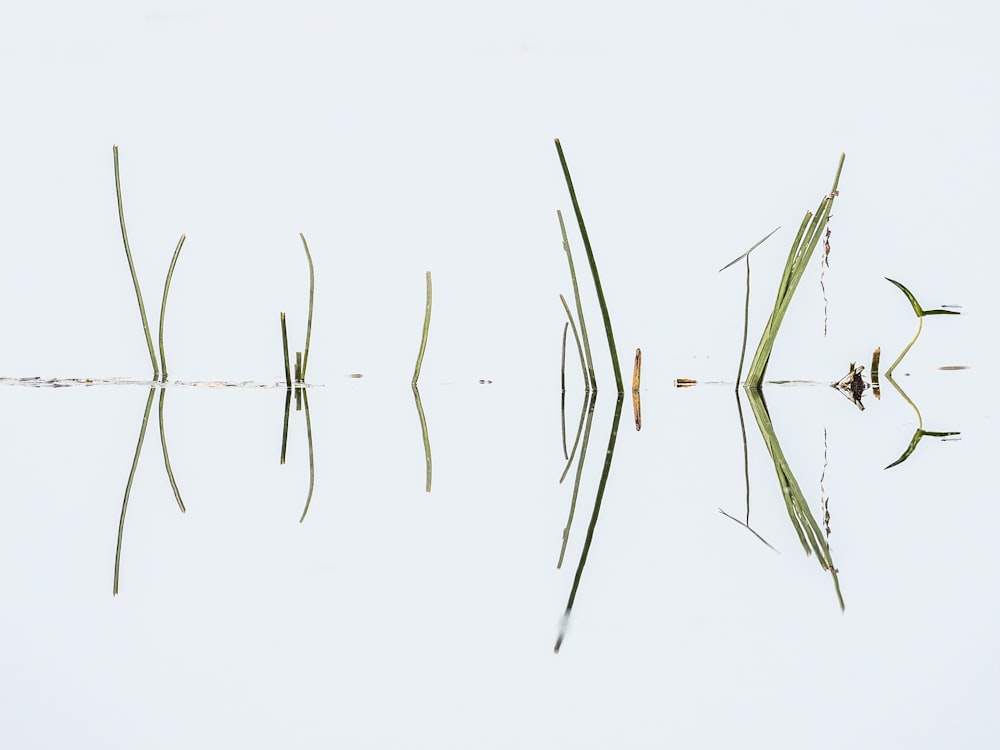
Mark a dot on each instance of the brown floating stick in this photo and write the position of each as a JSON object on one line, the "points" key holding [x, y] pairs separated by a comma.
{"points": [[635, 389], [875, 386]]}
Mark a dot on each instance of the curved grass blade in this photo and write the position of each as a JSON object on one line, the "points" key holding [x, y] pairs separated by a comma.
{"points": [[163, 305], [423, 337], [309, 319], [131, 268], [593, 270], [128, 486]]}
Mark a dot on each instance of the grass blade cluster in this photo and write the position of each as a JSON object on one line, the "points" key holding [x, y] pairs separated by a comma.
{"points": [[808, 236]]}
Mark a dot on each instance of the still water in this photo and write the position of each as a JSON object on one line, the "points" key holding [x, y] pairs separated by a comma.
{"points": [[395, 617]]}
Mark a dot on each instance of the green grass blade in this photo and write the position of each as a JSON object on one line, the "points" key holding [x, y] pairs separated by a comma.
{"points": [[309, 319], [131, 268], [423, 336], [588, 373], [163, 304], [284, 342], [917, 309], [128, 486], [757, 244], [166, 456], [593, 269]]}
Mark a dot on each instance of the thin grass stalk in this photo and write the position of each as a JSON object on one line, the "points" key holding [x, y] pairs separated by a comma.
{"points": [[312, 460], [746, 302], [589, 404], [587, 381], [593, 519], [284, 342], [163, 304], [576, 440], [425, 435], [131, 268], [298, 367], [309, 319], [128, 486], [801, 251], [166, 456], [588, 374], [423, 336], [892, 367], [593, 270]]}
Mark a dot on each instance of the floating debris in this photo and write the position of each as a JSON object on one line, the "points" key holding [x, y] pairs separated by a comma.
{"points": [[684, 382]]}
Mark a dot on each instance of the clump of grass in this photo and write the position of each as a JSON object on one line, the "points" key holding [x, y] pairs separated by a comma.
{"points": [[808, 237], [921, 313], [593, 270]]}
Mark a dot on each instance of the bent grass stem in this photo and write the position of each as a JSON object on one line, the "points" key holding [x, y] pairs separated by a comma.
{"points": [[131, 268]]}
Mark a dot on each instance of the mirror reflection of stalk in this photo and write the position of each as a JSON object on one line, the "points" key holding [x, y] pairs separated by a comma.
{"points": [[587, 409], [593, 520], [312, 461], [128, 485], [426, 437], [562, 375]]}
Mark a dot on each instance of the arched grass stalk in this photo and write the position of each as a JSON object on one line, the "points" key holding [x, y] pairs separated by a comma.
{"points": [[131, 268], [921, 313], [593, 271], [808, 236], [166, 456], [163, 307], [128, 486], [309, 320], [423, 337], [589, 378], [746, 302]]}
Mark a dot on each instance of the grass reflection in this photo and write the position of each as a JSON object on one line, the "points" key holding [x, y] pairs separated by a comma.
{"points": [[131, 474], [809, 533], [609, 455]]}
